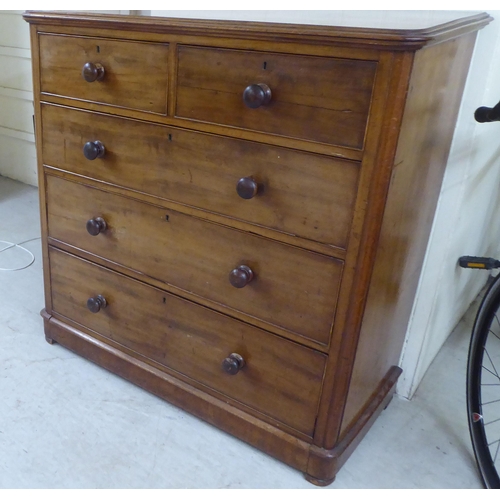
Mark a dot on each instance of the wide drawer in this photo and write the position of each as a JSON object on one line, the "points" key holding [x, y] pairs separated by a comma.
{"points": [[135, 73], [297, 193], [293, 289], [278, 378], [319, 99]]}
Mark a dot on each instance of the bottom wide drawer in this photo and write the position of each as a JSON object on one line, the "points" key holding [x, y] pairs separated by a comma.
{"points": [[261, 370]]}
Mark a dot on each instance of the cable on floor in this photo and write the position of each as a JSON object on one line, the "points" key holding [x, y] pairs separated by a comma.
{"points": [[18, 245]]}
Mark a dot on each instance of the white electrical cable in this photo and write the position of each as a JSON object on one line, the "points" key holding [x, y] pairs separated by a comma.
{"points": [[18, 245]]}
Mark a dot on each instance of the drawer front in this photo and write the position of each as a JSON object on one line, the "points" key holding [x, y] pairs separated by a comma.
{"points": [[135, 73], [291, 288], [298, 193], [319, 99], [279, 378]]}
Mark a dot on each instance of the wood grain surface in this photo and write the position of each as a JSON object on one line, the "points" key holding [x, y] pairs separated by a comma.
{"points": [[280, 378], [319, 99], [198, 257], [135, 73], [307, 195]]}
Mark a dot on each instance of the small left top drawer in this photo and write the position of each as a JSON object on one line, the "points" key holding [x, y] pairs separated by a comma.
{"points": [[115, 72]]}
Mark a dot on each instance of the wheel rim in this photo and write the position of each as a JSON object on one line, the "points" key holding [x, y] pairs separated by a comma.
{"points": [[483, 388]]}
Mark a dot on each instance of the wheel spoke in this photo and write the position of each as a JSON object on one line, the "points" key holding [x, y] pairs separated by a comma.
{"points": [[492, 421], [492, 364], [494, 334], [489, 371], [498, 321], [489, 402], [494, 442], [496, 453]]}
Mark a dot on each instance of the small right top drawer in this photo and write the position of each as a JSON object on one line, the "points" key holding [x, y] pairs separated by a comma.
{"points": [[320, 99]]}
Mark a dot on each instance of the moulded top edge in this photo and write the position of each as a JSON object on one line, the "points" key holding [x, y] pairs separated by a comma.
{"points": [[377, 38]]}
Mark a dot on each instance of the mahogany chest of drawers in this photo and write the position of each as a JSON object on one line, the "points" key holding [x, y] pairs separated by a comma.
{"points": [[235, 214]]}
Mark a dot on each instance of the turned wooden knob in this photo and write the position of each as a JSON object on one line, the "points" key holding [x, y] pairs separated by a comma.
{"points": [[247, 188], [96, 225], [233, 364], [240, 276], [256, 95], [95, 304], [93, 150], [92, 72]]}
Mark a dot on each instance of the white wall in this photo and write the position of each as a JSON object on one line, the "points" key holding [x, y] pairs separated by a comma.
{"points": [[469, 202], [17, 140]]}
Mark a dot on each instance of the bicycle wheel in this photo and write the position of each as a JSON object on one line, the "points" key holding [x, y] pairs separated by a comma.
{"points": [[483, 387]]}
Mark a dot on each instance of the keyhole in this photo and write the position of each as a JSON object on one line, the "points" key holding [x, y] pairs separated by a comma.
{"points": [[265, 65], [98, 49], [169, 137]]}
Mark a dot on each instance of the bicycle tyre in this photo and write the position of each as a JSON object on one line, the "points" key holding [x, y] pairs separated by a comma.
{"points": [[483, 387]]}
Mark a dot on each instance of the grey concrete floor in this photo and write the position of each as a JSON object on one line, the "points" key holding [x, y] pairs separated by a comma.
{"points": [[66, 423]]}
